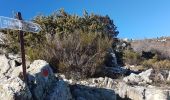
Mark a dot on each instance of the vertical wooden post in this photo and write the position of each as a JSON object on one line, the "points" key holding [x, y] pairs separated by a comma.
{"points": [[21, 36]]}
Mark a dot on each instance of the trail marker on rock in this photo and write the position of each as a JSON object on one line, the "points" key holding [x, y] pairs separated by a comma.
{"points": [[45, 72], [19, 24]]}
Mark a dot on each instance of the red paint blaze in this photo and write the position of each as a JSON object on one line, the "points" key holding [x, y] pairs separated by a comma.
{"points": [[45, 72]]}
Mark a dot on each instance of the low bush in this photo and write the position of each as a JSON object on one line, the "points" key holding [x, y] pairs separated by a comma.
{"points": [[163, 64], [132, 58], [78, 55], [157, 64], [148, 63]]}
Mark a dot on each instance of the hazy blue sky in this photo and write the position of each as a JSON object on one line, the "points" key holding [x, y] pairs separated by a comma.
{"points": [[134, 18]]}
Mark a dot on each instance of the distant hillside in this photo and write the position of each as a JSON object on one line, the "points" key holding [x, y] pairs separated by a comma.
{"points": [[161, 45]]}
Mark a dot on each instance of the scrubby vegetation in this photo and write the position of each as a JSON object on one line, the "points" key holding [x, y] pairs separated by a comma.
{"points": [[147, 59], [77, 46], [159, 45], [132, 58], [73, 45], [79, 55]]}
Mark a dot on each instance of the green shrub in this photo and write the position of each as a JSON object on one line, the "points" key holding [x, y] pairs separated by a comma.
{"points": [[132, 58]]}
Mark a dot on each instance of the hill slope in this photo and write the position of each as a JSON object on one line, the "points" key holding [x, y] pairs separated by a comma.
{"points": [[161, 45]]}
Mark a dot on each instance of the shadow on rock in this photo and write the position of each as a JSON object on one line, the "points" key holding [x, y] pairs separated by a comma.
{"points": [[115, 72], [82, 92]]}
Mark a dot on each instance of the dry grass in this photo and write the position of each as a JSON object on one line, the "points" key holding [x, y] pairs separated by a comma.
{"points": [[77, 55], [159, 65]]}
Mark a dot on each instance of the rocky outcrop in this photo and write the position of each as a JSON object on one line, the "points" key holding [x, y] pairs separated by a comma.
{"points": [[38, 83], [11, 86], [10, 65], [148, 77], [139, 88], [142, 78], [135, 92], [42, 84], [14, 89], [118, 89]]}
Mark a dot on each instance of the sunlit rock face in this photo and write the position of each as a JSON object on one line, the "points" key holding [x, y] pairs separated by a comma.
{"points": [[12, 87], [42, 84]]}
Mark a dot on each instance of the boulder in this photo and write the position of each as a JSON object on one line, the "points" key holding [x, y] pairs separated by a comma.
{"points": [[14, 89], [43, 83], [39, 83], [133, 79], [142, 78], [11, 86]]}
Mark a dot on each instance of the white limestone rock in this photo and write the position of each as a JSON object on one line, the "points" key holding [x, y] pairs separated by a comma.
{"points": [[142, 78], [168, 78], [44, 85], [14, 89]]}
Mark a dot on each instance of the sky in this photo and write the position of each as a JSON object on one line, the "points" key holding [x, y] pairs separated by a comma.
{"points": [[135, 19]]}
